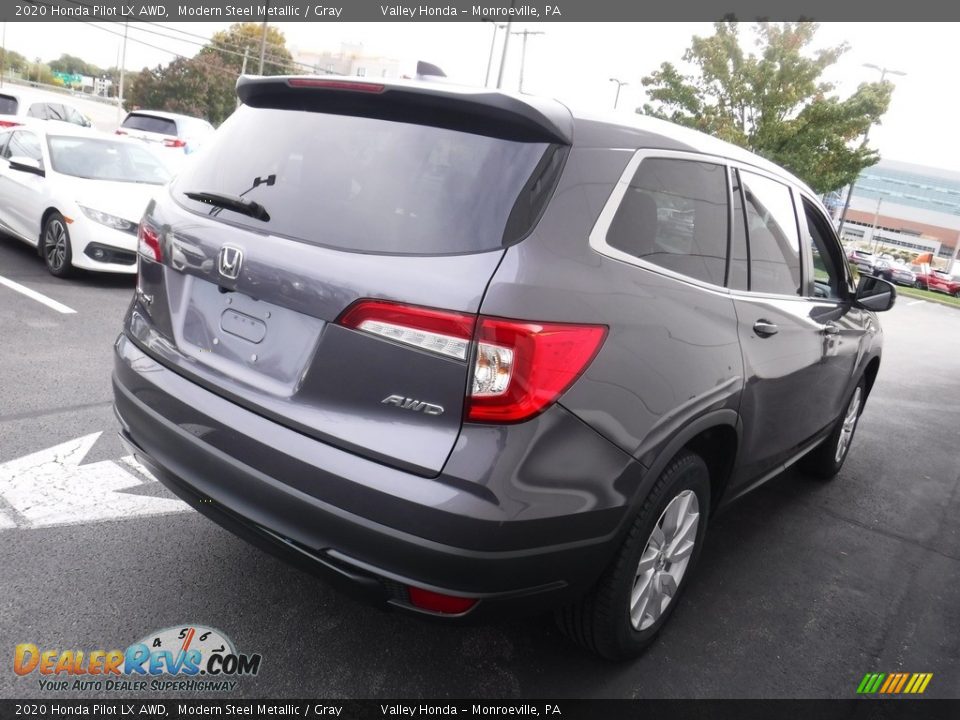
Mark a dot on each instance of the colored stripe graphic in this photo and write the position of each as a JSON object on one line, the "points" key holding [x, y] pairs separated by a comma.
{"points": [[894, 683], [903, 681]]}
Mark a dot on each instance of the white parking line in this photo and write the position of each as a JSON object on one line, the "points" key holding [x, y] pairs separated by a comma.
{"points": [[915, 302], [34, 295]]}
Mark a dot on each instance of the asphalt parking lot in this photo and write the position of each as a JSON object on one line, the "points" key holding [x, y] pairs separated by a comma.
{"points": [[802, 589]]}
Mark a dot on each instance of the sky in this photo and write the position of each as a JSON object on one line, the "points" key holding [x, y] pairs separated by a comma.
{"points": [[575, 61]]}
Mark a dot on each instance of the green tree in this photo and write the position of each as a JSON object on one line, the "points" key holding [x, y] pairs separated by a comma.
{"points": [[204, 85], [73, 65], [192, 86], [229, 46], [772, 101]]}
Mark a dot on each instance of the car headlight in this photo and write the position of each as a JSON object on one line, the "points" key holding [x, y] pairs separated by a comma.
{"points": [[117, 223]]}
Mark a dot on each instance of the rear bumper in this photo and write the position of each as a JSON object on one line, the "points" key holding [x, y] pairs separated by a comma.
{"points": [[370, 528]]}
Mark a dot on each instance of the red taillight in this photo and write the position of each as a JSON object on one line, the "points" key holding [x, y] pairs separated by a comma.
{"points": [[148, 241], [439, 331], [438, 602], [521, 368], [335, 85], [8, 123], [174, 143]]}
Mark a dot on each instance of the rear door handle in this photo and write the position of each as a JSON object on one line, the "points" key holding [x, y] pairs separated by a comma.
{"points": [[831, 329], [765, 328]]}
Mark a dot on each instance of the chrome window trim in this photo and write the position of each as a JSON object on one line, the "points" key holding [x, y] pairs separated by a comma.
{"points": [[598, 235]]}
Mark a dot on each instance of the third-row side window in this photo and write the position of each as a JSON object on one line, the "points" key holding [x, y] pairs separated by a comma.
{"points": [[676, 214]]}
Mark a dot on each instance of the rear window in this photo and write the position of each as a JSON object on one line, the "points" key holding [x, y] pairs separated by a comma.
{"points": [[370, 185], [150, 123], [8, 105]]}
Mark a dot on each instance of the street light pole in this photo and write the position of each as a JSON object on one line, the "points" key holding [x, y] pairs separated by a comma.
{"points": [[123, 62], [506, 43], [523, 53], [620, 84], [866, 134], [493, 42]]}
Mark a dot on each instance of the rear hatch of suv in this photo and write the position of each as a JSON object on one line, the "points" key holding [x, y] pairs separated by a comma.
{"points": [[323, 261]]}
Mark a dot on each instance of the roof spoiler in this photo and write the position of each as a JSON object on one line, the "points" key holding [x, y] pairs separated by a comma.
{"points": [[476, 111]]}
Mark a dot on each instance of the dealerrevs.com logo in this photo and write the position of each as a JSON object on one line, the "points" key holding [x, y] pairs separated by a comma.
{"points": [[188, 658]]}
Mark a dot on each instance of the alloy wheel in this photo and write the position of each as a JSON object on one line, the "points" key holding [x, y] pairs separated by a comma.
{"points": [[849, 425], [664, 560], [55, 244]]}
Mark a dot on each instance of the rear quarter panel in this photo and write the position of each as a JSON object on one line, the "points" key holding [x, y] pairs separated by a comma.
{"points": [[672, 354]]}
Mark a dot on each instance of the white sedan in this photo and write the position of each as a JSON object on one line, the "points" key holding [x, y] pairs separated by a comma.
{"points": [[76, 195]]}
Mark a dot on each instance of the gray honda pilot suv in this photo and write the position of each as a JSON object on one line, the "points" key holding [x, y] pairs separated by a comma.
{"points": [[468, 352]]}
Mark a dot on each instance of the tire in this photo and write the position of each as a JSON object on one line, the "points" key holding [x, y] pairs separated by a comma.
{"points": [[825, 462], [920, 285], [57, 251], [601, 621], [956, 294]]}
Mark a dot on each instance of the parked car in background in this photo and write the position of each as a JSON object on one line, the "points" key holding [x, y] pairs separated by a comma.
{"points": [[18, 105], [896, 272], [944, 283], [76, 195], [470, 352], [171, 135], [864, 260]]}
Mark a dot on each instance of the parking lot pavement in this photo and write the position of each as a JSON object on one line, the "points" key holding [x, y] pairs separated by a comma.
{"points": [[802, 589]]}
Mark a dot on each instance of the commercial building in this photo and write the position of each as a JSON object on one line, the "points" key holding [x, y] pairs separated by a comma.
{"points": [[900, 205], [350, 60]]}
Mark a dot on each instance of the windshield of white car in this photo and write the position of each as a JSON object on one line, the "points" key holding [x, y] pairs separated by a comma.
{"points": [[104, 159]]}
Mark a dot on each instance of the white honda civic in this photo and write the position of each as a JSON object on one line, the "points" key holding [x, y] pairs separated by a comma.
{"points": [[76, 195]]}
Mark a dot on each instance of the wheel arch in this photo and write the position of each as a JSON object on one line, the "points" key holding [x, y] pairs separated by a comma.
{"points": [[715, 437]]}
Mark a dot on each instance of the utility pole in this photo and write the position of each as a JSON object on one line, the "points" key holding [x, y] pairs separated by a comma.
{"points": [[866, 133], [620, 84], [263, 42], [3, 58], [506, 43], [874, 235], [523, 53], [243, 69], [493, 42], [123, 62]]}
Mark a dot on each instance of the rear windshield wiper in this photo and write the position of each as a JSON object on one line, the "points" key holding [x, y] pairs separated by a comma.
{"points": [[231, 202]]}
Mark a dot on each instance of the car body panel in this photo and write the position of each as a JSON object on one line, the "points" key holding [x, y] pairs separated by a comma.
{"points": [[298, 450]]}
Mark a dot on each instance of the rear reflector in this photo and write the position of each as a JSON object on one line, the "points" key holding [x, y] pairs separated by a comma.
{"points": [[437, 331], [148, 241], [439, 603], [335, 85], [520, 368]]}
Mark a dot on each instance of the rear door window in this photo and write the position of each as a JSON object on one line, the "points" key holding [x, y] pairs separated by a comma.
{"points": [[150, 123], [24, 144], [369, 185], [8, 105], [773, 236], [675, 215]]}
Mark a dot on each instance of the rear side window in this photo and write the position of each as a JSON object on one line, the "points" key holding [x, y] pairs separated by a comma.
{"points": [[150, 123], [24, 144], [674, 214], [369, 185], [38, 110], [8, 105], [772, 231]]}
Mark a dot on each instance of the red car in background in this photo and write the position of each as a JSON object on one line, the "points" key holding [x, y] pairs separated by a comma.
{"points": [[942, 282]]}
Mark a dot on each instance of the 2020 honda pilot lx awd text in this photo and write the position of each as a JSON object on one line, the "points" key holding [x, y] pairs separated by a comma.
{"points": [[467, 352]]}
